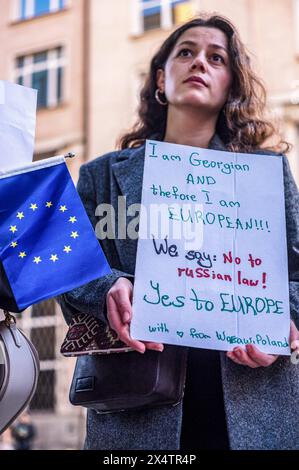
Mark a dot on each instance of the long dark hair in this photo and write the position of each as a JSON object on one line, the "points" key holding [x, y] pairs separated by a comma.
{"points": [[241, 123]]}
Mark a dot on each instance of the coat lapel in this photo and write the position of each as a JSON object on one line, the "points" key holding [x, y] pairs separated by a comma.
{"points": [[128, 171], [217, 144]]}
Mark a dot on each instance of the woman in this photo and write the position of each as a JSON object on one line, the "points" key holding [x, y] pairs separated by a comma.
{"points": [[201, 91]]}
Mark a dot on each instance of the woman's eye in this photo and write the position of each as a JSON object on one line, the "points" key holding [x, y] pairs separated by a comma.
{"points": [[185, 53], [218, 58]]}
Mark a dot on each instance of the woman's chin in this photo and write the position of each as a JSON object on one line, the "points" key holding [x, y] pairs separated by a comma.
{"points": [[194, 102]]}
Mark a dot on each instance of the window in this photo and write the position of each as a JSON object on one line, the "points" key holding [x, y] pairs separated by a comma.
{"points": [[32, 8], [44, 340], [45, 326], [44, 398], [44, 72], [42, 330], [154, 14], [151, 14]]}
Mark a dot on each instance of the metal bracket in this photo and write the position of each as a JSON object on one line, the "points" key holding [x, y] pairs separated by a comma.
{"points": [[70, 155]]}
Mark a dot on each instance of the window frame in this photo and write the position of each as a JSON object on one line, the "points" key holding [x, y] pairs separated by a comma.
{"points": [[25, 9], [54, 62], [166, 21]]}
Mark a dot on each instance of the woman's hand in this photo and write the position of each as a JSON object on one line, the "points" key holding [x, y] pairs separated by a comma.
{"points": [[119, 307], [253, 358]]}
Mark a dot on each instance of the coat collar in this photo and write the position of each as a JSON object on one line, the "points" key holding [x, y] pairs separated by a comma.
{"points": [[128, 170], [217, 144]]}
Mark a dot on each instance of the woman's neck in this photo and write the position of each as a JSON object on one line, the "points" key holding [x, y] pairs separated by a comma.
{"points": [[189, 128]]}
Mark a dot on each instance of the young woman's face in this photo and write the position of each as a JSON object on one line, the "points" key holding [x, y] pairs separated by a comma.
{"points": [[198, 71]]}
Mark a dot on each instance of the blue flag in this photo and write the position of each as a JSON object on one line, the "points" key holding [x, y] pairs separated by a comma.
{"points": [[47, 243]]}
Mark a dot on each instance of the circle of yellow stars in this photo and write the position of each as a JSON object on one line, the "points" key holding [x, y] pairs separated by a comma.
{"points": [[54, 257]]}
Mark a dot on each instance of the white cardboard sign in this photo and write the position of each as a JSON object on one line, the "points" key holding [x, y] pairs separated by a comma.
{"points": [[211, 269]]}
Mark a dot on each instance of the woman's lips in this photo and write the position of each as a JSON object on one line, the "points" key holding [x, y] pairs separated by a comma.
{"points": [[196, 81]]}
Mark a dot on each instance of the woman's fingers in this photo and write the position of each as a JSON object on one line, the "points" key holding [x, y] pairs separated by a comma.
{"points": [[231, 355], [294, 337], [258, 357], [295, 345], [252, 357], [240, 355], [119, 307], [113, 314], [121, 293], [120, 328], [125, 337], [154, 346]]}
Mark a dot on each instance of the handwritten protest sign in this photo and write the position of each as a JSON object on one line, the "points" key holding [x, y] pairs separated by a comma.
{"points": [[211, 268]]}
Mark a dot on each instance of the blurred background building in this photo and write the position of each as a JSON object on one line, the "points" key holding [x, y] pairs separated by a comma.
{"points": [[88, 59]]}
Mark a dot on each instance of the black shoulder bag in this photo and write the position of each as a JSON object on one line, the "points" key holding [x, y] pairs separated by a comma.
{"points": [[123, 381]]}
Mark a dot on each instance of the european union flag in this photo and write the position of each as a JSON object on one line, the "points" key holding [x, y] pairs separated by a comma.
{"points": [[47, 243]]}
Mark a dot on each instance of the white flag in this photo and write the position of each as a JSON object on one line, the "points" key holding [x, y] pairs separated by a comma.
{"points": [[17, 125]]}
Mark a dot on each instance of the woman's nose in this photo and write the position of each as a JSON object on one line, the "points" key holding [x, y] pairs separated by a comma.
{"points": [[199, 63]]}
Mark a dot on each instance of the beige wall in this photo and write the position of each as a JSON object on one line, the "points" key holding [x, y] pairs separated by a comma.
{"points": [[110, 73], [273, 33], [117, 59], [58, 130], [62, 128], [267, 28]]}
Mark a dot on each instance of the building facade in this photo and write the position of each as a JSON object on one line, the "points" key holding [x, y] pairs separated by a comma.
{"points": [[269, 29], [42, 46], [88, 59]]}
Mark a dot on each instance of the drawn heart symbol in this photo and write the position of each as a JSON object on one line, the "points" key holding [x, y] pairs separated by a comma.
{"points": [[180, 333]]}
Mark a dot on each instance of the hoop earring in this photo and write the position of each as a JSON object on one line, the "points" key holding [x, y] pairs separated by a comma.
{"points": [[162, 103]]}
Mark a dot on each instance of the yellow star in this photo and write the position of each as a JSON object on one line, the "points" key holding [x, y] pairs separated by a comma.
{"points": [[13, 228], [20, 215], [67, 249], [54, 258], [37, 260], [75, 235], [14, 244], [22, 254], [33, 207], [72, 219], [49, 204], [63, 208]]}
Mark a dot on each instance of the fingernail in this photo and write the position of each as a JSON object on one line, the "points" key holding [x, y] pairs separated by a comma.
{"points": [[126, 316], [238, 352], [249, 347]]}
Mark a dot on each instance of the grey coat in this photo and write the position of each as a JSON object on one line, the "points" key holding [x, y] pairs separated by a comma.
{"points": [[261, 404]]}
